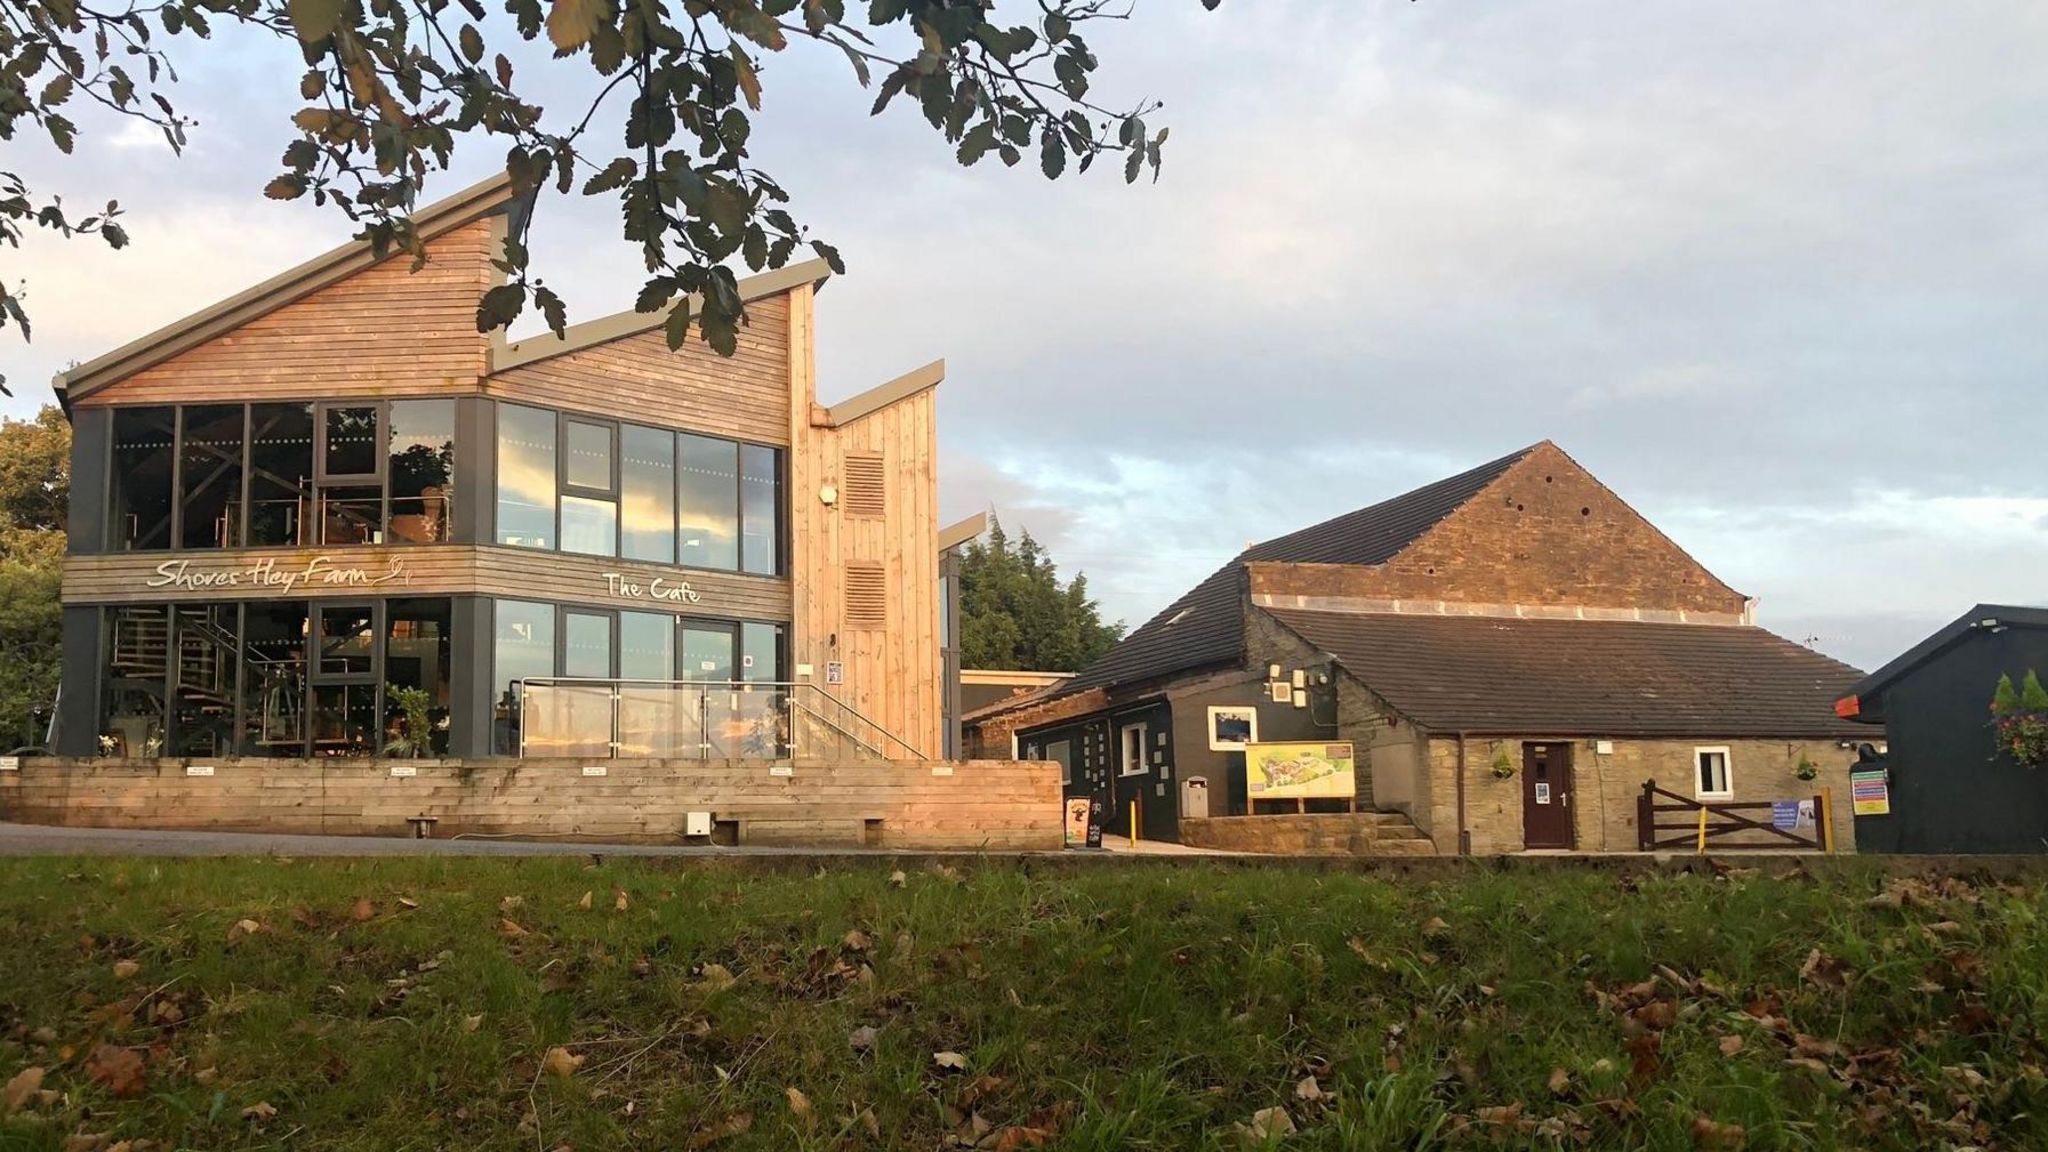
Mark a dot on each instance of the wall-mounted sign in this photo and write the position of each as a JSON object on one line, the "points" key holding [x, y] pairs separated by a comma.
{"points": [[198, 769], [617, 584], [1299, 771], [403, 771], [1871, 793], [835, 672], [1542, 792], [10, 763], [1231, 727], [268, 574], [594, 769]]}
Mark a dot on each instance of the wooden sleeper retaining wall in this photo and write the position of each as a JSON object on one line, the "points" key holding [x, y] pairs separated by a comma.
{"points": [[997, 805]]}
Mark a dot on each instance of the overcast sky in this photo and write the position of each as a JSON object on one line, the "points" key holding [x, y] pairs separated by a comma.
{"points": [[1776, 273]]}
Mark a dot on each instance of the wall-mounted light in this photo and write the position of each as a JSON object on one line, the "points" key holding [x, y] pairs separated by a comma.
{"points": [[828, 494]]}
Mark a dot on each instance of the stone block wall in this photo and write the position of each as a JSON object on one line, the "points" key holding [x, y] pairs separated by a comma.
{"points": [[1606, 787]]}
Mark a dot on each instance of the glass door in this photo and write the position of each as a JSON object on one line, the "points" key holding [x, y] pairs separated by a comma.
{"points": [[347, 697]]}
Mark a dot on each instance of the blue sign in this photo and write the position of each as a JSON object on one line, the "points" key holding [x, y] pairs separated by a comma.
{"points": [[1785, 814]]}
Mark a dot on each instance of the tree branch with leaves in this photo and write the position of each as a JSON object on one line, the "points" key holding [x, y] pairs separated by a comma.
{"points": [[390, 86]]}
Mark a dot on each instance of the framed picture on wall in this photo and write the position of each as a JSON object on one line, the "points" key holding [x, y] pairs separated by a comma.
{"points": [[1232, 726]]}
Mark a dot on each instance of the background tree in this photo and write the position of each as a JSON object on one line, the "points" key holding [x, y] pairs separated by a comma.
{"points": [[390, 85], [35, 490], [1015, 613]]}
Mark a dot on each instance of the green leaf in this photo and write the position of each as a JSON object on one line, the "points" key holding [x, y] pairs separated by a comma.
{"points": [[891, 85], [1052, 154], [977, 142], [500, 307], [614, 176], [314, 20], [743, 71], [57, 91], [551, 308], [677, 329], [754, 249], [290, 186], [831, 256], [472, 43]]}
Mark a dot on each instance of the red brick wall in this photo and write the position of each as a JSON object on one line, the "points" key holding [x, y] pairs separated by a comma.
{"points": [[1546, 532], [993, 733]]}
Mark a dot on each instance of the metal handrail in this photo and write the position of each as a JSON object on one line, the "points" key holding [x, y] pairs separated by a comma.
{"points": [[826, 721]]}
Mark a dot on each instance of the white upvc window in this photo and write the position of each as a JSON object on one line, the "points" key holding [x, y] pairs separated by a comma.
{"points": [[1131, 760], [1712, 778]]}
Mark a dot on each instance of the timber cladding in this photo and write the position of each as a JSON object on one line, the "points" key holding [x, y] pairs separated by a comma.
{"points": [[746, 397], [438, 569], [998, 805], [385, 331]]}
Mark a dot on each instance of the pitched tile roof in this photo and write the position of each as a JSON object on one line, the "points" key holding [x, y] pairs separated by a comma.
{"points": [[1206, 625], [1586, 677]]}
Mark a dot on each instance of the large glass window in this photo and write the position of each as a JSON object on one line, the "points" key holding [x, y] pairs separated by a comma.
{"points": [[647, 646], [204, 678], [137, 668], [590, 526], [760, 652], [647, 494], [417, 658], [588, 461], [280, 474], [707, 474], [350, 444], [526, 476], [587, 644], [707, 652], [760, 509], [145, 452], [210, 477], [422, 471], [523, 645], [274, 639], [313, 475]]}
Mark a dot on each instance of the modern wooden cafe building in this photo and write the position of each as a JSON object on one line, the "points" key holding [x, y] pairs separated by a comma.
{"points": [[328, 518]]}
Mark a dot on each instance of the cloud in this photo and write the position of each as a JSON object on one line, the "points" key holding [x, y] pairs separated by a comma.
{"points": [[1771, 271]]}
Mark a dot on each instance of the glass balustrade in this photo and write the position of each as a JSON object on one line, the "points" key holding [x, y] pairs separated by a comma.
{"points": [[696, 720]]}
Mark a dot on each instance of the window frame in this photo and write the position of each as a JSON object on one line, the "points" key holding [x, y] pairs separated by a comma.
{"points": [[1216, 744], [562, 485], [1727, 791], [1123, 749], [611, 618], [322, 477]]}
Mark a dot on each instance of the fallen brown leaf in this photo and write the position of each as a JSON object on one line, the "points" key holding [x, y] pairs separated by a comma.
{"points": [[859, 941], [87, 1141], [510, 929], [261, 1110], [1709, 1133], [407, 902], [472, 1023], [25, 1084], [126, 969], [1730, 1045], [619, 900], [1560, 1081], [898, 879], [950, 1060], [1016, 1136], [585, 902], [243, 928], [799, 1104], [562, 1062], [1266, 1124], [717, 977], [868, 1119], [508, 903], [734, 1124], [363, 910], [120, 1069], [1308, 1090], [1435, 926], [861, 1039]]}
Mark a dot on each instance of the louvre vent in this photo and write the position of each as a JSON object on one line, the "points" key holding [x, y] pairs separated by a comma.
{"points": [[865, 486], [867, 595]]}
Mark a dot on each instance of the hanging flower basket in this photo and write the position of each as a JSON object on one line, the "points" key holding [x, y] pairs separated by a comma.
{"points": [[2019, 720], [1503, 767], [1806, 769]]}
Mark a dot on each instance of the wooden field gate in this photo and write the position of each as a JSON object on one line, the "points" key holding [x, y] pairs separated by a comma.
{"points": [[1700, 825]]}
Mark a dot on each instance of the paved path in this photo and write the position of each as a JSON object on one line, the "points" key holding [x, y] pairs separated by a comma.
{"points": [[37, 840]]}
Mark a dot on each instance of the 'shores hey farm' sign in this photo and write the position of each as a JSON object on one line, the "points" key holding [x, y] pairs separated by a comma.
{"points": [[269, 575]]}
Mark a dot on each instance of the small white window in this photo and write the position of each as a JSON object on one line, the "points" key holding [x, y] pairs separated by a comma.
{"points": [[1132, 760], [1231, 727], [1711, 778]]}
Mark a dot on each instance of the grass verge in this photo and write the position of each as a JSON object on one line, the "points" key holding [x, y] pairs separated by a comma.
{"points": [[558, 1003]]}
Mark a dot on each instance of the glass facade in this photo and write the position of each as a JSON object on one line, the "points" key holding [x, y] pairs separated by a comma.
{"points": [[212, 476], [276, 678], [638, 493]]}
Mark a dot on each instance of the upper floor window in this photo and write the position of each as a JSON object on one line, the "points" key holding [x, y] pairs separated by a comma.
{"points": [[298, 474], [578, 484]]}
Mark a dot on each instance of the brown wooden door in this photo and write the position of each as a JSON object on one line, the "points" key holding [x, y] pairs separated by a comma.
{"points": [[1547, 796]]}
